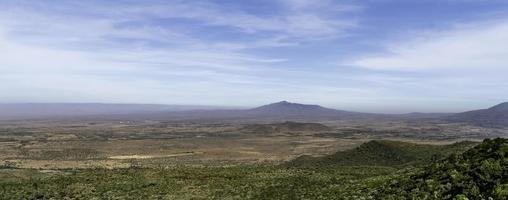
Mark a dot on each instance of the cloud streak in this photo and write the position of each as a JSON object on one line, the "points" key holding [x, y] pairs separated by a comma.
{"points": [[478, 47], [463, 65]]}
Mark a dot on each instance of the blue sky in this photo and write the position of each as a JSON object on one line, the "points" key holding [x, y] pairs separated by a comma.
{"points": [[363, 55]]}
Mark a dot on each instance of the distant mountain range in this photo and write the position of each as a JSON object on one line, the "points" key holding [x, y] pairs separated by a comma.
{"points": [[284, 109], [44, 110], [290, 111], [496, 116], [276, 111]]}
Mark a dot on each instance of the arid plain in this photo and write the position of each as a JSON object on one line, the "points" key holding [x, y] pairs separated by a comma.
{"points": [[67, 144]]}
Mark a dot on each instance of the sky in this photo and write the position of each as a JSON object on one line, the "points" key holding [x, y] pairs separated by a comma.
{"points": [[390, 56]]}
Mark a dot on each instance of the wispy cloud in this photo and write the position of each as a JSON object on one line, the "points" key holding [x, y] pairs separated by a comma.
{"points": [[468, 47], [462, 65], [137, 52]]}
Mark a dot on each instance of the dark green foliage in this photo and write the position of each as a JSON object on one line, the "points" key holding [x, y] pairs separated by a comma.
{"points": [[383, 153], [479, 173], [245, 182]]}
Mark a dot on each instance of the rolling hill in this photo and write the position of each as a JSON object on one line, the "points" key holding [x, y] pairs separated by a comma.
{"points": [[496, 116], [290, 110], [280, 111], [479, 173], [382, 153]]}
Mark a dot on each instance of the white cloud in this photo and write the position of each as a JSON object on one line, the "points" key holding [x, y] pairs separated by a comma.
{"points": [[449, 70], [479, 48], [302, 20]]}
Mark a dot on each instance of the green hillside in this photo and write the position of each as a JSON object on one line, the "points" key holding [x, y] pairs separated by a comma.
{"points": [[375, 170], [383, 153], [479, 173]]}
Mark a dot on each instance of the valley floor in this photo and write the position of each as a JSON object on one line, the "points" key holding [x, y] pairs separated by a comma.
{"points": [[121, 144], [222, 160]]}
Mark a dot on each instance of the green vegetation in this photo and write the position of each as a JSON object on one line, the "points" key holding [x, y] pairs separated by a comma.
{"points": [[375, 170], [480, 173], [245, 182], [383, 153]]}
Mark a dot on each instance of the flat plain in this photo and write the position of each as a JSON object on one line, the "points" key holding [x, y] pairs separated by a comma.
{"points": [[67, 144]]}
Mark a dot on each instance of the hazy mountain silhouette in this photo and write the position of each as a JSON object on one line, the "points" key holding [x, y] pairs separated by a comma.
{"points": [[286, 109], [502, 107], [276, 111], [48, 110], [496, 116]]}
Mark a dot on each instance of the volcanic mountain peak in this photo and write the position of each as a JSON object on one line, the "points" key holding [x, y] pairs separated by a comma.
{"points": [[288, 106], [502, 107], [496, 116]]}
